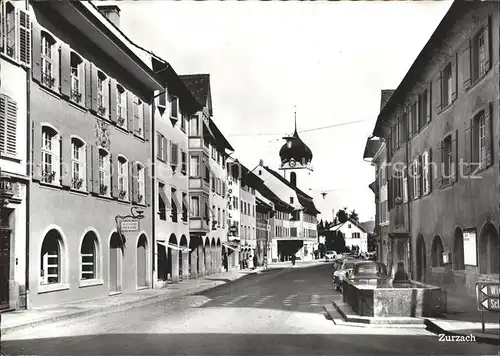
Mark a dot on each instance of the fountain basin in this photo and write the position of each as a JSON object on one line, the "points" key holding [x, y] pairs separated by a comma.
{"points": [[385, 297]]}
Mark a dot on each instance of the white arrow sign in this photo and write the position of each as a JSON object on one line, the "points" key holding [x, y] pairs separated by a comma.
{"points": [[485, 303], [485, 290]]}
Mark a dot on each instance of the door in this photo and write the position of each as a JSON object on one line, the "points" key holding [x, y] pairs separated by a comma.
{"points": [[142, 262], [4, 268], [115, 254]]}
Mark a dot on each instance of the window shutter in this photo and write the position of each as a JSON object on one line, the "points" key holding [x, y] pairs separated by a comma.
{"points": [[87, 99], [93, 87], [437, 93], [411, 179], [147, 119], [8, 125], [454, 156], [130, 111], [131, 185], [430, 174], [36, 147], [162, 100], [88, 175], [165, 149], [135, 183], [454, 75], [24, 23], [467, 166], [488, 113], [420, 175], [466, 65], [113, 102], [95, 170], [114, 176], [159, 154], [439, 165], [487, 44], [416, 115], [429, 101], [65, 70], [147, 186], [66, 171], [36, 48], [175, 104], [410, 122]]}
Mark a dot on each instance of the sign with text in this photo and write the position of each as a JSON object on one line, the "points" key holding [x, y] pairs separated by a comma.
{"points": [[488, 296], [129, 225], [470, 253]]}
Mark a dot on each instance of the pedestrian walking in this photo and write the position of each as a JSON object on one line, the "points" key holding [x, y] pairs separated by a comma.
{"points": [[255, 262], [265, 262], [250, 262]]}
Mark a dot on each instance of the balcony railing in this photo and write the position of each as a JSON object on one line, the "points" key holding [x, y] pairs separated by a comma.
{"points": [[198, 183]]}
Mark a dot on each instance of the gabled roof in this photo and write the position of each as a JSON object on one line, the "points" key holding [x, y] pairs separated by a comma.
{"points": [[199, 85], [221, 140], [305, 200], [278, 203], [339, 225]]}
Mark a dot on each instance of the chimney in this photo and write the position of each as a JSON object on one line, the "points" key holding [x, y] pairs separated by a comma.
{"points": [[112, 12]]}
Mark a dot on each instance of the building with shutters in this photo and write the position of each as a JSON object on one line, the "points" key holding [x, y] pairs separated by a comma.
{"points": [[248, 223], [441, 129], [233, 211], [173, 108], [207, 182], [355, 235], [15, 62], [90, 149], [264, 211]]}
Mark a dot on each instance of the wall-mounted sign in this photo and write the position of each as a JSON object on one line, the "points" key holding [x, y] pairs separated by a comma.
{"points": [[233, 229], [470, 253], [488, 296], [129, 225]]}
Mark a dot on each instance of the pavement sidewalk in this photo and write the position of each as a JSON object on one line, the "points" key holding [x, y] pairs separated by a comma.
{"points": [[463, 319], [298, 264], [20, 319]]}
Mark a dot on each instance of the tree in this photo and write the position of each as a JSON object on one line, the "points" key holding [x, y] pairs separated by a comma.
{"points": [[322, 250], [353, 215], [329, 240], [342, 216], [372, 243]]}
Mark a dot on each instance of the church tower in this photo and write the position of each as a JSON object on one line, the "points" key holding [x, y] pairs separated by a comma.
{"points": [[296, 159]]}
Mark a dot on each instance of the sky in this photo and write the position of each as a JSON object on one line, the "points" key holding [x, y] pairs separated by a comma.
{"points": [[330, 60]]}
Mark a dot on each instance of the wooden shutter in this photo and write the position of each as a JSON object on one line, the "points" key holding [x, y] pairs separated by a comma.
{"points": [[439, 165], [162, 100], [487, 44], [454, 149], [113, 102], [24, 24], [95, 170], [36, 147], [165, 149], [416, 114], [437, 97], [159, 154], [174, 107], [65, 70], [36, 48], [430, 168], [114, 176], [135, 183], [411, 178], [454, 81], [410, 121], [147, 186], [8, 125], [466, 65], [147, 119], [130, 111], [467, 166], [488, 114], [131, 188], [88, 167], [93, 87], [66, 172], [429, 103], [420, 175], [87, 97]]}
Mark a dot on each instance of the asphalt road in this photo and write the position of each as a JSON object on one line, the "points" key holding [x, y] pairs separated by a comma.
{"points": [[274, 313]]}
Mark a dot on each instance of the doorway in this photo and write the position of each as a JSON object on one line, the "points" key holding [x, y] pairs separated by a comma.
{"points": [[4, 268]]}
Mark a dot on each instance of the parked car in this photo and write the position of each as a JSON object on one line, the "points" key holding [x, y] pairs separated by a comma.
{"points": [[369, 272], [343, 272], [330, 255]]}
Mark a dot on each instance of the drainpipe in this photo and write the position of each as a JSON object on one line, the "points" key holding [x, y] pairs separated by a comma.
{"points": [[153, 194], [410, 267], [28, 185]]}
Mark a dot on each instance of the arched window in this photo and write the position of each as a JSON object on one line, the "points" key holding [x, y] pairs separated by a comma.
{"points": [[104, 172], [78, 164], [102, 94], [121, 107], [141, 193], [89, 256], [122, 178], [50, 155], [77, 78], [51, 258], [48, 60], [437, 252]]}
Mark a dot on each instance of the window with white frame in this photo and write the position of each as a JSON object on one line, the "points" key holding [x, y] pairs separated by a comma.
{"points": [[121, 107], [102, 93], [425, 173], [479, 54], [48, 55], [77, 73], [15, 33], [405, 184], [8, 126], [194, 126], [122, 178], [416, 178], [104, 173], [447, 86], [78, 159], [51, 258], [141, 183], [138, 117], [88, 256], [174, 108], [194, 166], [479, 141], [50, 155], [195, 206]]}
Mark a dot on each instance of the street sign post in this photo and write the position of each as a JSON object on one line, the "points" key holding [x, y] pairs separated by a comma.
{"points": [[488, 298]]}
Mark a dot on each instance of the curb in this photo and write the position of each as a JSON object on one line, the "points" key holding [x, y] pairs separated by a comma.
{"points": [[85, 314], [436, 329]]}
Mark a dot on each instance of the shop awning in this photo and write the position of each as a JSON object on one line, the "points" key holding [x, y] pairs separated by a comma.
{"points": [[172, 246], [232, 247], [163, 196], [185, 200], [176, 201]]}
